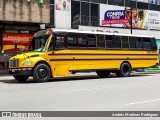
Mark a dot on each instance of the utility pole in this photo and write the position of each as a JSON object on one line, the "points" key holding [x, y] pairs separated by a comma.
{"points": [[131, 18]]}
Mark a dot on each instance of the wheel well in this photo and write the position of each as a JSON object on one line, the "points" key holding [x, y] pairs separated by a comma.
{"points": [[44, 62], [128, 63]]}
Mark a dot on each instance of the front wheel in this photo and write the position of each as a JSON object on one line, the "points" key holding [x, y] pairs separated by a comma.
{"points": [[125, 70], [41, 73], [21, 78]]}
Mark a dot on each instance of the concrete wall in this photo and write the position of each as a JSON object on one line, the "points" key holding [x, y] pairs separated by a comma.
{"points": [[23, 11]]}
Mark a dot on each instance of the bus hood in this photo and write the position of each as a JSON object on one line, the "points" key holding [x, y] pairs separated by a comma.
{"points": [[27, 55]]}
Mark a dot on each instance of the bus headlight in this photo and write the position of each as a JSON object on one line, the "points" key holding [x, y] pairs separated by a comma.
{"points": [[27, 63]]}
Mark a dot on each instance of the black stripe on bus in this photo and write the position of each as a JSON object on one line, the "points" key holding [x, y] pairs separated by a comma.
{"points": [[87, 70], [113, 49], [103, 59], [101, 54]]}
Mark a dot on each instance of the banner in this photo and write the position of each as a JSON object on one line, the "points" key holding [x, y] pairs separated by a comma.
{"points": [[115, 16], [63, 14], [112, 17], [13, 42], [151, 20], [63, 5]]}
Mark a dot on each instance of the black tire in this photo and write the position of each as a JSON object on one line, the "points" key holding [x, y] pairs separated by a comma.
{"points": [[41, 73], [21, 78], [125, 70], [103, 74]]}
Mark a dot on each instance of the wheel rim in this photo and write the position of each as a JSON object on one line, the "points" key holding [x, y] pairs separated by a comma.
{"points": [[42, 73], [126, 70]]}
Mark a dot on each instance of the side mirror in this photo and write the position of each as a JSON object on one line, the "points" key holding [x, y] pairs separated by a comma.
{"points": [[21, 49], [2, 51]]}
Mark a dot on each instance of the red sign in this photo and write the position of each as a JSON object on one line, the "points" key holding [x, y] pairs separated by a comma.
{"points": [[13, 42], [120, 21]]}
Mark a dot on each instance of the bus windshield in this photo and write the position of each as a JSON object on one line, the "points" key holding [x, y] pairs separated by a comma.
{"points": [[39, 44]]}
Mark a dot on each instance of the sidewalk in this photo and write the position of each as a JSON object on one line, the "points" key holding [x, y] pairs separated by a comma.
{"points": [[6, 77]]}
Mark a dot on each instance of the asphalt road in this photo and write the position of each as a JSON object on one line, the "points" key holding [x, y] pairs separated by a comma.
{"points": [[140, 92]]}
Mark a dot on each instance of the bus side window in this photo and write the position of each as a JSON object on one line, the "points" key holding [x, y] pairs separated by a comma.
{"points": [[82, 40], [100, 41], [60, 42], [153, 44], [72, 40], [125, 42], [109, 41], [146, 43], [132, 43], [139, 44], [116, 41], [91, 39]]}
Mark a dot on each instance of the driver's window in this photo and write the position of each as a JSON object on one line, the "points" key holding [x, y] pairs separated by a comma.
{"points": [[51, 45]]}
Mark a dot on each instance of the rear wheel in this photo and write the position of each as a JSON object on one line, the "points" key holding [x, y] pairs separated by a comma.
{"points": [[103, 74], [125, 70], [21, 78], [41, 73]]}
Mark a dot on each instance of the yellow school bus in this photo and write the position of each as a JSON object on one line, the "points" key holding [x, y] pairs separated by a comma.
{"points": [[57, 52]]}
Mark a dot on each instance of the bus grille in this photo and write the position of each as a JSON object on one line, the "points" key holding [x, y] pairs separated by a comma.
{"points": [[14, 63]]}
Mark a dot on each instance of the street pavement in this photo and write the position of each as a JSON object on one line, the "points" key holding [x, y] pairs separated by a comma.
{"points": [[82, 92]]}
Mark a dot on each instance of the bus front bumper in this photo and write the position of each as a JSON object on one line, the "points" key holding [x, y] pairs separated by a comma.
{"points": [[21, 71]]}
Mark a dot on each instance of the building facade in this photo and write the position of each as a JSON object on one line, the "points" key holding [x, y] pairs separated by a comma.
{"points": [[19, 20], [107, 15]]}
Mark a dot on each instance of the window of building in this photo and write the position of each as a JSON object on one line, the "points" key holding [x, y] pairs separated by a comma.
{"points": [[86, 0], [130, 3], [85, 19], [99, 1], [154, 7], [75, 14], [116, 2], [100, 41], [142, 5], [94, 15], [51, 1], [52, 14]]}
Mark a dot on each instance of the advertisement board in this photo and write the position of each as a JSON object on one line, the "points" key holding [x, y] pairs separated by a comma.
{"points": [[114, 17], [63, 14], [141, 19], [13, 42]]}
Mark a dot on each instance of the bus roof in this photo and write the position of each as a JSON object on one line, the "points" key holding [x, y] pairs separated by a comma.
{"points": [[90, 32]]}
